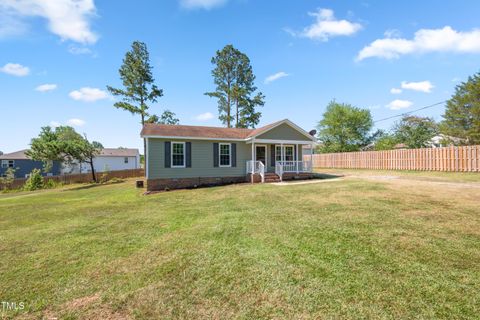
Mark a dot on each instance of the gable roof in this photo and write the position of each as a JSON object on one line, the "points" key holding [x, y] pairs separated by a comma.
{"points": [[17, 155], [198, 132], [118, 152]]}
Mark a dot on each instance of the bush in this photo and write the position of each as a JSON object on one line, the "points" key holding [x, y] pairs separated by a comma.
{"points": [[34, 181]]}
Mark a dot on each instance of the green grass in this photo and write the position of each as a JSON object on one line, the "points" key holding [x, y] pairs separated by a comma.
{"points": [[339, 249]]}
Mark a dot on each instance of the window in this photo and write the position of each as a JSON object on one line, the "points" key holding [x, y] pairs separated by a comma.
{"points": [[225, 154], [8, 163], [125, 160], [178, 154], [289, 153], [278, 153]]}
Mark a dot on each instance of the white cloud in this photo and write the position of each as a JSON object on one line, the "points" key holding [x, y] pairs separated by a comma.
{"points": [[79, 50], [46, 87], [422, 86], [54, 124], [69, 19], [76, 122], [399, 104], [204, 116], [276, 76], [424, 40], [15, 69], [88, 94], [392, 33], [327, 26], [395, 91], [201, 4]]}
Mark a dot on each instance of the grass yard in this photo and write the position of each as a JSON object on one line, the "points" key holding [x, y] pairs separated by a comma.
{"points": [[354, 248]]}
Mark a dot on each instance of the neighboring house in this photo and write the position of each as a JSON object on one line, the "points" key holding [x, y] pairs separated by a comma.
{"points": [[181, 156], [23, 165], [109, 159], [442, 140]]}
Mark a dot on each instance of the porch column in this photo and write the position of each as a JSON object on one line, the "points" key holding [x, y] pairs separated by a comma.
{"points": [[281, 152], [296, 156], [311, 157], [252, 163]]}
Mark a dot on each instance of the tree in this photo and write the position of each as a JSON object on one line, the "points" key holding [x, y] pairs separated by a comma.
{"points": [[8, 178], [415, 132], [167, 117], [235, 89], [385, 141], [344, 128], [34, 181], [462, 113], [65, 145], [139, 84]]}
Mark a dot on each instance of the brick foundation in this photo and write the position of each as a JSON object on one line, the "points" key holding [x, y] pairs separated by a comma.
{"points": [[256, 178], [183, 183], [298, 176]]}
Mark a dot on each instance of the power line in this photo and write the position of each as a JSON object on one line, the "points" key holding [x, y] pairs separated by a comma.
{"points": [[410, 112]]}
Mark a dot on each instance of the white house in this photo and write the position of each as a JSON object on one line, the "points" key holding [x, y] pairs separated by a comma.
{"points": [[109, 159]]}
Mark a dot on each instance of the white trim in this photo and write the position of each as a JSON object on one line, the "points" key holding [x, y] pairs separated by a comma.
{"points": [[278, 141], [266, 153], [171, 154], [291, 124], [145, 159], [229, 155], [192, 138]]}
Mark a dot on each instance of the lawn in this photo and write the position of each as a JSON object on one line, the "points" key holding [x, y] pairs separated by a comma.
{"points": [[349, 248]]}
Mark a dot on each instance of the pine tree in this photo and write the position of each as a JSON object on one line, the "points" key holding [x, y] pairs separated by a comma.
{"points": [[139, 84]]}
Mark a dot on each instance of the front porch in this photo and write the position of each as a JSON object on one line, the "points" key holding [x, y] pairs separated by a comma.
{"points": [[278, 160]]}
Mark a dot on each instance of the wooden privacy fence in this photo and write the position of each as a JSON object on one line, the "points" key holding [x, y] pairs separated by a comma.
{"points": [[84, 177], [460, 159]]}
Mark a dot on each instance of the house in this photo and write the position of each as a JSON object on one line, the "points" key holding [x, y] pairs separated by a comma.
{"points": [[109, 159], [23, 165], [180, 156]]}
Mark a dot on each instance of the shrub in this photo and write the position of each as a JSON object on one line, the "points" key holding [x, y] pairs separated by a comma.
{"points": [[8, 179], [34, 181]]}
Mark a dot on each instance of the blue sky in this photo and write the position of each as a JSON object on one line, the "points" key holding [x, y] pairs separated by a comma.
{"points": [[56, 59]]}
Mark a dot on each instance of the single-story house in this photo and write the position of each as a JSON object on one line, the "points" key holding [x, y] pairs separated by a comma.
{"points": [[180, 156], [23, 165], [109, 159]]}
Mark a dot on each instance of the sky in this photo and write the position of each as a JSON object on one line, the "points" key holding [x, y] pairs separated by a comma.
{"points": [[57, 57]]}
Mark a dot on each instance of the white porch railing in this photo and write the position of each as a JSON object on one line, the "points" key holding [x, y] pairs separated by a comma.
{"points": [[256, 167], [282, 167]]}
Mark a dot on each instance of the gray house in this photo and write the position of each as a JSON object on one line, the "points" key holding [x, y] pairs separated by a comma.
{"points": [[179, 156], [24, 165]]}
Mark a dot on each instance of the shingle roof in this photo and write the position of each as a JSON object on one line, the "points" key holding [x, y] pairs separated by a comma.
{"points": [[118, 152], [17, 155], [166, 130]]}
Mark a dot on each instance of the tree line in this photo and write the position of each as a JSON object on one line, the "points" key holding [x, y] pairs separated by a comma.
{"points": [[346, 128]]}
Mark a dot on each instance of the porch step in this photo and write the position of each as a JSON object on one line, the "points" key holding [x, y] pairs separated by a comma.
{"points": [[271, 177]]}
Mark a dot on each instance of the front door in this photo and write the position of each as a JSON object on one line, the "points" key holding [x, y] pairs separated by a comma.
{"points": [[261, 154]]}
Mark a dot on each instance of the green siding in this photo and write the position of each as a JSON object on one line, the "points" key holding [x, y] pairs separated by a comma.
{"points": [[283, 132], [202, 160]]}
